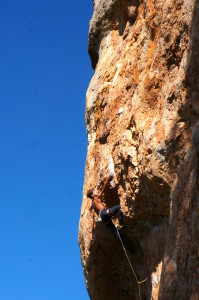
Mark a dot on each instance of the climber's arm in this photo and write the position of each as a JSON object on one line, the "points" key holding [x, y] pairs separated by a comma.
{"points": [[104, 186], [96, 202]]}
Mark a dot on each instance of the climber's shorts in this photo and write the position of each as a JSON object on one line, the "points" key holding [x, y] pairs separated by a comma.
{"points": [[107, 213]]}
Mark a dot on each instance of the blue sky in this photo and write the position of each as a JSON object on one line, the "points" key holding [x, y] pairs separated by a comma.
{"points": [[44, 74]]}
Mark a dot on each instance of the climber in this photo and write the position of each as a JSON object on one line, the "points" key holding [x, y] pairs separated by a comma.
{"points": [[105, 214]]}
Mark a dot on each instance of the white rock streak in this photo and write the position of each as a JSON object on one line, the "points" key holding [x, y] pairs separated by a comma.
{"points": [[111, 171]]}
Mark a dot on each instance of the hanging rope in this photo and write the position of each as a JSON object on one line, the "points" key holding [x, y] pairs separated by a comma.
{"points": [[138, 282]]}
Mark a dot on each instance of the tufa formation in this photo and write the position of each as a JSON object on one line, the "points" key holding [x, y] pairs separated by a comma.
{"points": [[142, 112]]}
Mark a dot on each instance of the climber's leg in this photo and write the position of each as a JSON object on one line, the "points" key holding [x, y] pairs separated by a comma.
{"points": [[117, 210], [105, 215]]}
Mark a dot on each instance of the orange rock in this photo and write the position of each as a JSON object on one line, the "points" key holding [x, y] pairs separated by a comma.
{"points": [[142, 105]]}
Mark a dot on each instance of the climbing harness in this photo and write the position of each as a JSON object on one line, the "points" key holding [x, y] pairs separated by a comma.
{"points": [[138, 282], [99, 218]]}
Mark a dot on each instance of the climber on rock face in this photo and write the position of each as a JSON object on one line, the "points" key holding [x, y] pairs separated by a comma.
{"points": [[105, 214]]}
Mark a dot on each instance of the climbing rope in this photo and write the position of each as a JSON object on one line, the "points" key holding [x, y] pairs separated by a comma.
{"points": [[138, 282]]}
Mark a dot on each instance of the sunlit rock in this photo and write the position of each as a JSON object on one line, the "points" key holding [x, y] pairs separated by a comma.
{"points": [[142, 108]]}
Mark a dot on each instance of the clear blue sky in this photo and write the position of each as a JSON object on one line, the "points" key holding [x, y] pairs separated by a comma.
{"points": [[44, 74]]}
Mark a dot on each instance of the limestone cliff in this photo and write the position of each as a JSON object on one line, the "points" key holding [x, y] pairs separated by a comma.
{"points": [[142, 109]]}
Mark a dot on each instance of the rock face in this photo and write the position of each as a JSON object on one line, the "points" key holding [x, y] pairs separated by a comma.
{"points": [[142, 112]]}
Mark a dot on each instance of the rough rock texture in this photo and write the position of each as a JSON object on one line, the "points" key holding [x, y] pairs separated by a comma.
{"points": [[142, 112]]}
